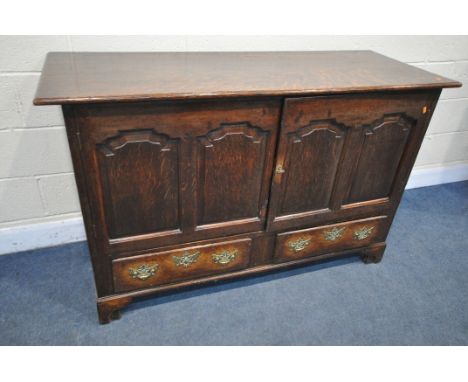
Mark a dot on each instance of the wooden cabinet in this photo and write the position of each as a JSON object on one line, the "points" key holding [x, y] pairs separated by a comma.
{"points": [[198, 167]]}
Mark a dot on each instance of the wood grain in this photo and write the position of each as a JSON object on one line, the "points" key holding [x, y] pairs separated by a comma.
{"points": [[116, 77], [168, 271], [172, 172], [341, 153], [318, 242]]}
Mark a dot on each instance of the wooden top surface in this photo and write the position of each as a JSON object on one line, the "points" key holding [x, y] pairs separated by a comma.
{"points": [[102, 77]]}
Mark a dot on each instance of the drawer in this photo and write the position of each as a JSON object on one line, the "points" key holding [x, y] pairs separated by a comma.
{"points": [[336, 237], [180, 264]]}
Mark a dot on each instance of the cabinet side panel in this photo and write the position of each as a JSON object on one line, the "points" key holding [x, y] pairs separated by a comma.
{"points": [[100, 262]]}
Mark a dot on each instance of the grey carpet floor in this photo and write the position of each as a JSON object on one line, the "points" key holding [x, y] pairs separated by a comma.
{"points": [[418, 294]]}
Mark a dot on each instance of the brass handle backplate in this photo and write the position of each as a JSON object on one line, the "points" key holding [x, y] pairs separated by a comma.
{"points": [[299, 244], [144, 271], [224, 257], [186, 259], [363, 233], [334, 234]]}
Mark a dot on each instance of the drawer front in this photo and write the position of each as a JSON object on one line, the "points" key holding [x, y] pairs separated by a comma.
{"points": [[337, 237], [180, 264]]}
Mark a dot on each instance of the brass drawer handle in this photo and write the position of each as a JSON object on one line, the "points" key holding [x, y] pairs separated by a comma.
{"points": [[363, 233], [186, 259], [334, 234], [143, 272], [299, 244], [224, 257]]}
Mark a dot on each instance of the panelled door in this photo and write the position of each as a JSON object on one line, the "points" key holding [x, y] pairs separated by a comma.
{"points": [[341, 156], [167, 173]]}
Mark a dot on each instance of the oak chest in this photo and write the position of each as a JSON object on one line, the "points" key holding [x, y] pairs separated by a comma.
{"points": [[199, 167]]}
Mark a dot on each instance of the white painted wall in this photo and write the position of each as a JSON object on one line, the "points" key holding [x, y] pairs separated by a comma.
{"points": [[36, 176]]}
